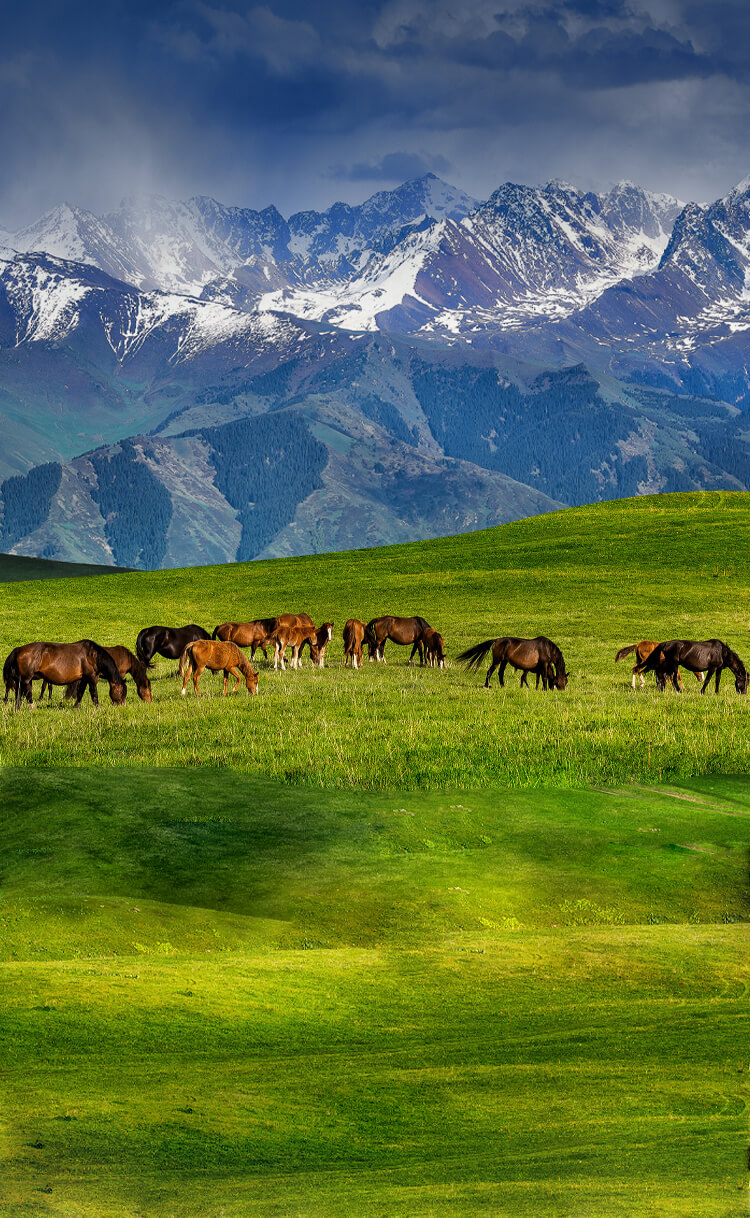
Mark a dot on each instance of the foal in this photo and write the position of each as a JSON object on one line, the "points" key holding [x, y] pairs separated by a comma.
{"points": [[218, 657]]}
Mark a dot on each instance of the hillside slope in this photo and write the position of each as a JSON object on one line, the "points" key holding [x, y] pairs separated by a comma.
{"points": [[592, 579]]}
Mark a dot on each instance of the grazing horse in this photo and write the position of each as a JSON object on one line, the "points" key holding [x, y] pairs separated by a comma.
{"points": [[643, 651], [169, 641], [126, 663], [710, 656], [434, 650], [401, 630], [294, 637], [539, 655], [354, 637], [255, 635], [323, 636], [81, 663], [218, 657]]}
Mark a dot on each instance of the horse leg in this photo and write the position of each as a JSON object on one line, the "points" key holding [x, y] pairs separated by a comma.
{"points": [[186, 677], [490, 671], [196, 678], [501, 674], [718, 678], [235, 673], [707, 682]]}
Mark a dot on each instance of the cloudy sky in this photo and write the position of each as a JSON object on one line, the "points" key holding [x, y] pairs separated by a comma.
{"points": [[301, 102]]}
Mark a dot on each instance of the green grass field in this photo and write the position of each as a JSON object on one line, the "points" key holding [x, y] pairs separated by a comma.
{"points": [[385, 943], [225, 998], [592, 579]]}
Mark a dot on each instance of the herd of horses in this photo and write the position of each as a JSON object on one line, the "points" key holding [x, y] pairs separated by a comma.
{"points": [[79, 666]]}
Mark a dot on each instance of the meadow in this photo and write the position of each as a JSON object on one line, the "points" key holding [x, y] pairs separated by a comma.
{"points": [[384, 942], [221, 997], [592, 579]]}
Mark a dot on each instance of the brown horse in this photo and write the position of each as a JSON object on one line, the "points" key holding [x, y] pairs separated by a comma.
{"points": [[539, 655], [255, 635], [323, 636], [710, 656], [643, 651], [401, 630], [354, 637], [81, 663], [126, 663], [218, 657], [295, 637], [9, 675], [434, 650]]}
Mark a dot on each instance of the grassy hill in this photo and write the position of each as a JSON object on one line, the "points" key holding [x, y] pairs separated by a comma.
{"points": [[316, 953], [223, 998], [592, 579], [15, 568]]}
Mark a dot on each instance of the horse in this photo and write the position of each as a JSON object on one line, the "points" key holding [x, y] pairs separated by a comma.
{"points": [[354, 637], [169, 641], [643, 651], [126, 663], [217, 656], [254, 635], [434, 650], [401, 630], [294, 637], [81, 663], [539, 655], [710, 656]]}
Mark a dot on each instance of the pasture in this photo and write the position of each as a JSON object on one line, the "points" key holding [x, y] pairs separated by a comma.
{"points": [[323, 952], [591, 579], [224, 997]]}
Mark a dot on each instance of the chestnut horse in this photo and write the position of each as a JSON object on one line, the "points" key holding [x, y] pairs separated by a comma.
{"points": [[401, 630], [643, 651], [218, 657], [81, 663], [295, 637], [126, 663], [255, 635], [169, 641], [539, 655], [354, 637], [710, 656]]}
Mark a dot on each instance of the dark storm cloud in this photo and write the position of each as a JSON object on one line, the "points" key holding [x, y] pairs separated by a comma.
{"points": [[393, 167], [273, 102]]}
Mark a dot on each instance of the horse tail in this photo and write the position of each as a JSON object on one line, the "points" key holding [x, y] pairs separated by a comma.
{"points": [[473, 656], [215, 634], [370, 634], [625, 651], [187, 656], [141, 650]]}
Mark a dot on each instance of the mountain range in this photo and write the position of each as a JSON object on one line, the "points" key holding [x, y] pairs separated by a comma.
{"points": [[186, 382]]}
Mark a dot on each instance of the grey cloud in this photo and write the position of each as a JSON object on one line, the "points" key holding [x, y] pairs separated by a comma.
{"points": [[393, 167]]}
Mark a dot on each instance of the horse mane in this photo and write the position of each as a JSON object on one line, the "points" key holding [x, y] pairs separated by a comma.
{"points": [[732, 655], [423, 625], [138, 670], [104, 663]]}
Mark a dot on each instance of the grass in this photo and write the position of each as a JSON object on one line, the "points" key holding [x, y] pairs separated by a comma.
{"points": [[222, 996], [326, 953], [590, 578]]}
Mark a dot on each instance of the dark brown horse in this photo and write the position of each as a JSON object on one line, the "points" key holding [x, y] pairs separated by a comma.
{"points": [[434, 649], [642, 652], [539, 655], [354, 637], [81, 663], [126, 663], [169, 641], [218, 657], [401, 630], [711, 656]]}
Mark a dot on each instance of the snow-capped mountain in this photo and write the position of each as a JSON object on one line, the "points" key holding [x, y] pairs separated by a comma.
{"points": [[528, 253]]}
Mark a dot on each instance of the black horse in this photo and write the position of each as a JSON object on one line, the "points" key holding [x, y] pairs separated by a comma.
{"points": [[710, 657], [539, 655], [169, 641]]}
